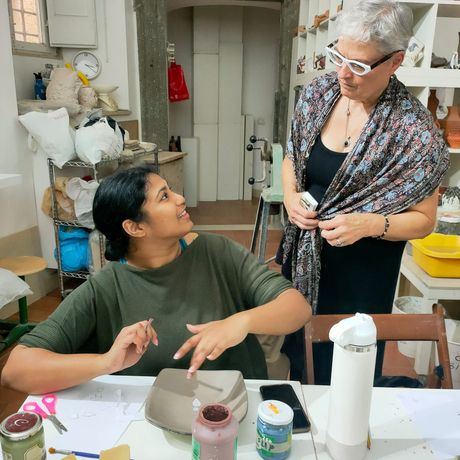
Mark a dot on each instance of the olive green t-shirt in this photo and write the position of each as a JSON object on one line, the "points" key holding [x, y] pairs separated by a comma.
{"points": [[212, 279]]}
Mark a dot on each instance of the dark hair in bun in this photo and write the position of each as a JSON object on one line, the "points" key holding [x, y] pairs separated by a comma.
{"points": [[120, 197]]}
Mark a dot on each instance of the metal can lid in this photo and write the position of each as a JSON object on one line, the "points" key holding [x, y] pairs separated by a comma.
{"points": [[275, 412], [21, 425]]}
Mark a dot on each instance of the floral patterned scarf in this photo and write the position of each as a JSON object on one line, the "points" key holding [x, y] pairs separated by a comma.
{"points": [[398, 160]]}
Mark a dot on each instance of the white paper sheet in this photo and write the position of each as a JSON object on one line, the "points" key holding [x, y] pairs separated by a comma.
{"points": [[437, 415], [96, 414]]}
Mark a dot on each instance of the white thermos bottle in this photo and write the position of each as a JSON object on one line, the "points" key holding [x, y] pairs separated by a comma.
{"points": [[353, 365]]}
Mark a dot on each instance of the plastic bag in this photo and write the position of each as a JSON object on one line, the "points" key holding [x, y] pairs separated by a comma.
{"points": [[177, 86], [73, 244], [98, 141], [52, 133], [12, 287], [64, 86], [82, 193], [65, 207], [95, 259]]}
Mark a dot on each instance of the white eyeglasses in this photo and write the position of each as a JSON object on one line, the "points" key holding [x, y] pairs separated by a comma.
{"points": [[357, 67]]}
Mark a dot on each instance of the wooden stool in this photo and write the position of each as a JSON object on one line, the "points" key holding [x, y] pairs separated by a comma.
{"points": [[20, 266]]}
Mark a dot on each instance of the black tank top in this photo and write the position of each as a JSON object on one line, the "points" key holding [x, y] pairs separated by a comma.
{"points": [[322, 166], [359, 277]]}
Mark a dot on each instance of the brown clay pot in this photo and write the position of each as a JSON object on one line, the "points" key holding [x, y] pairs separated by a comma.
{"points": [[452, 121], [451, 124]]}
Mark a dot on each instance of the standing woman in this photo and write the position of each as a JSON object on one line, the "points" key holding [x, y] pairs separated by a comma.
{"points": [[369, 153]]}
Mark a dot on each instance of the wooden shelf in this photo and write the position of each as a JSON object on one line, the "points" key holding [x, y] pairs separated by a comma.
{"points": [[410, 76], [440, 3], [168, 157], [430, 287], [303, 79], [434, 78], [116, 113]]}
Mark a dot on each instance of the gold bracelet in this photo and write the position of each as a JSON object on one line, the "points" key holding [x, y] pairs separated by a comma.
{"points": [[385, 229]]}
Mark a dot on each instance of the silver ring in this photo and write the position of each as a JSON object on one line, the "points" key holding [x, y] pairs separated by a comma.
{"points": [[338, 242]]}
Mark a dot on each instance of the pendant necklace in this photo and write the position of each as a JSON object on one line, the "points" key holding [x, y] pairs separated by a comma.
{"points": [[347, 137]]}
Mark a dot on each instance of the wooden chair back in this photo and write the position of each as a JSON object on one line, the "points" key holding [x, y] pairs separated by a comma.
{"points": [[424, 327]]}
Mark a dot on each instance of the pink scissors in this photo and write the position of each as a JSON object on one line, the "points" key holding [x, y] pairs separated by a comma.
{"points": [[49, 401]]}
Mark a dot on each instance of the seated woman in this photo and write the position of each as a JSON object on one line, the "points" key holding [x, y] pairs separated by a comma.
{"points": [[207, 296]]}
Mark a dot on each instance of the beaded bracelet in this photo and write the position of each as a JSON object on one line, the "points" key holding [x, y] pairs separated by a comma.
{"points": [[385, 229]]}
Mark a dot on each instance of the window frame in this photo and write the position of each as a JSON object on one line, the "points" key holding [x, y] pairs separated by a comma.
{"points": [[33, 49]]}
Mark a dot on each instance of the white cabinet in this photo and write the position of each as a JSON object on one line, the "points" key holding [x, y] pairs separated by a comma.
{"points": [[72, 23], [428, 24]]}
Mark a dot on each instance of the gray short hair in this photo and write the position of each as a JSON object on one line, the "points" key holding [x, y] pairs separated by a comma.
{"points": [[385, 22]]}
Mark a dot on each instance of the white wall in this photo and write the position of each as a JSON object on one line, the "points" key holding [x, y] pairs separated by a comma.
{"points": [[17, 209], [24, 68], [132, 63], [445, 44], [260, 69], [176, 4], [113, 51], [446, 37], [180, 32], [119, 58], [261, 38]]}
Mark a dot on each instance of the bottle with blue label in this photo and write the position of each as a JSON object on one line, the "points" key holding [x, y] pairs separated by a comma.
{"points": [[274, 430], [40, 88]]}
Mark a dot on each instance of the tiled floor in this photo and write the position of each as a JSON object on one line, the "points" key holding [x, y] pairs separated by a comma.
{"points": [[232, 213]]}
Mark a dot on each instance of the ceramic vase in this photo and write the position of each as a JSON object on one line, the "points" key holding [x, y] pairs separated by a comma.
{"points": [[451, 127]]}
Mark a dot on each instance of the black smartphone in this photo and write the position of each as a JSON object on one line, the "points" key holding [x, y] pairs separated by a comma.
{"points": [[285, 393]]}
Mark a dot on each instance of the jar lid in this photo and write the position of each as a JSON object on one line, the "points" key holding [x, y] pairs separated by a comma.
{"points": [[275, 412], [21, 425]]}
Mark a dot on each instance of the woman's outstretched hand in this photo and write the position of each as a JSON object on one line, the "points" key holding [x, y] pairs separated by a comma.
{"points": [[129, 345], [211, 339], [306, 220]]}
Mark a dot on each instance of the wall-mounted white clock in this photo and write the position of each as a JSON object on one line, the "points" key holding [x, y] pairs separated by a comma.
{"points": [[87, 63]]}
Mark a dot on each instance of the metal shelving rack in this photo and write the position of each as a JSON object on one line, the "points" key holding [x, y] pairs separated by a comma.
{"points": [[138, 154]]}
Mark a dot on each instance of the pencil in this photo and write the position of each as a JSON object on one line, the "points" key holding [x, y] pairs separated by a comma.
{"points": [[149, 322], [52, 450]]}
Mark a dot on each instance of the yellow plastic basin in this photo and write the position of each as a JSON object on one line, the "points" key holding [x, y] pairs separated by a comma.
{"points": [[438, 255]]}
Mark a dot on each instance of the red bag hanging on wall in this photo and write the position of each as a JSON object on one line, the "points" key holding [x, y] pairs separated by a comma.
{"points": [[176, 83]]}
